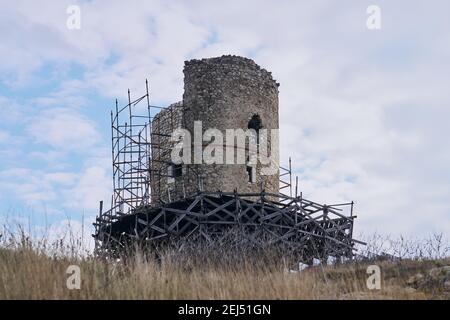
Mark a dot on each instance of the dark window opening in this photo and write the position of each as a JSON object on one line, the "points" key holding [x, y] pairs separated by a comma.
{"points": [[255, 123], [177, 170], [251, 174]]}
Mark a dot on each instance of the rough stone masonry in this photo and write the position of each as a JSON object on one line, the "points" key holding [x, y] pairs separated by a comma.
{"points": [[228, 92]]}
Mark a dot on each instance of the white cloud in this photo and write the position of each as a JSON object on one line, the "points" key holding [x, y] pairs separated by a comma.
{"points": [[74, 234], [363, 113], [93, 185], [64, 129], [34, 187]]}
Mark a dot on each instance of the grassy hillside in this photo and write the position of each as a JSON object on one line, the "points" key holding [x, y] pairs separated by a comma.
{"points": [[27, 273]]}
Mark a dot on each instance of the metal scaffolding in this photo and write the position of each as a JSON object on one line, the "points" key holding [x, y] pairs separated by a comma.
{"points": [[312, 230]]}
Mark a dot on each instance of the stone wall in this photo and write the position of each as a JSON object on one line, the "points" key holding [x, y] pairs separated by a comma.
{"points": [[223, 93], [163, 124]]}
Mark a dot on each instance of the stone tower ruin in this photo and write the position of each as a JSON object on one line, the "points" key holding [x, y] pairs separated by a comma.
{"points": [[223, 93], [208, 188]]}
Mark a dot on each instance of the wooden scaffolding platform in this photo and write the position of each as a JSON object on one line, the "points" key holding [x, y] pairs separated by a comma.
{"points": [[312, 230]]}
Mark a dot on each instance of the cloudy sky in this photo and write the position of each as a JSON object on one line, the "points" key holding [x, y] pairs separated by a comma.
{"points": [[364, 113]]}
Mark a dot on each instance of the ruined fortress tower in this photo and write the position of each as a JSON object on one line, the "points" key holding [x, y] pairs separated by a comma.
{"points": [[212, 190], [228, 92]]}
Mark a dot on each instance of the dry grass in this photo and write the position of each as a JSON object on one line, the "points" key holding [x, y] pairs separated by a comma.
{"points": [[37, 270], [29, 272]]}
